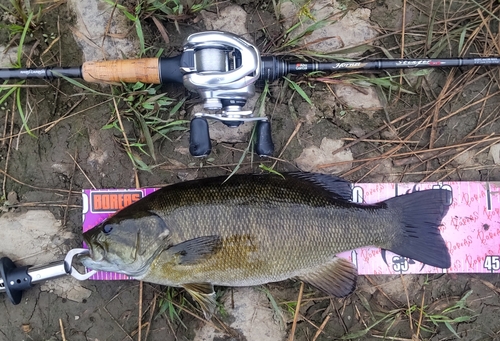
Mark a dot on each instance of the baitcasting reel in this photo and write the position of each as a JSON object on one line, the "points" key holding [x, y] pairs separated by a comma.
{"points": [[222, 68]]}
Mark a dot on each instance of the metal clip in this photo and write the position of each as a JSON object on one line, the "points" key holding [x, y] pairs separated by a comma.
{"points": [[70, 270]]}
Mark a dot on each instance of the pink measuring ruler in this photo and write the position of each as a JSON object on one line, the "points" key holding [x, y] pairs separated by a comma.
{"points": [[471, 228]]}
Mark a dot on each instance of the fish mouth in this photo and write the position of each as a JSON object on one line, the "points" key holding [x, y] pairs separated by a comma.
{"points": [[96, 251], [95, 258]]}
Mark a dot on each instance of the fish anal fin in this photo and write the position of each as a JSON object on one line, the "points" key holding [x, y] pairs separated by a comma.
{"points": [[336, 278], [204, 294], [193, 251]]}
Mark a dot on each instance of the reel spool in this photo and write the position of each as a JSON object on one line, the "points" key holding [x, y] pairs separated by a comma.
{"points": [[222, 68]]}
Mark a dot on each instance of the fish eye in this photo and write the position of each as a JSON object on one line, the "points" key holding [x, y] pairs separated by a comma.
{"points": [[107, 229]]}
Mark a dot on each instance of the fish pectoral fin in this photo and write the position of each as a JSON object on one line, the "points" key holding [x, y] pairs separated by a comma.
{"points": [[337, 277], [194, 250], [204, 294]]}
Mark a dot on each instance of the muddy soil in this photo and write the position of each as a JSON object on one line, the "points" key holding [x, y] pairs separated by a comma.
{"points": [[67, 126]]}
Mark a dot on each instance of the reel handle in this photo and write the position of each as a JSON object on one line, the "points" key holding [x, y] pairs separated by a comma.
{"points": [[199, 138], [264, 145]]}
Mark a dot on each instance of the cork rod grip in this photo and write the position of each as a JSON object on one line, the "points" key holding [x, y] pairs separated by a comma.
{"points": [[143, 70]]}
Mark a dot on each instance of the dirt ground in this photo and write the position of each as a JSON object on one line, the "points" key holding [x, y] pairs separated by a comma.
{"points": [[455, 110]]}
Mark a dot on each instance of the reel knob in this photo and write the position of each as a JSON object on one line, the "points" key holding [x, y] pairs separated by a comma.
{"points": [[199, 139], [263, 141]]}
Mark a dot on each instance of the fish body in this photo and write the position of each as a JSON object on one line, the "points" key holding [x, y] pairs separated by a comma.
{"points": [[255, 229]]}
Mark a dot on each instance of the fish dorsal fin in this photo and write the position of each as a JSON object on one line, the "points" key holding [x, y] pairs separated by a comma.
{"points": [[338, 187], [204, 294], [337, 277], [195, 250]]}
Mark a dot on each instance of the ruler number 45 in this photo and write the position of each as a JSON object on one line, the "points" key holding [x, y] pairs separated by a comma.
{"points": [[492, 263]]}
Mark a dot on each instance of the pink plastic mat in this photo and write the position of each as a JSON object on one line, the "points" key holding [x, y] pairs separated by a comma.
{"points": [[471, 228]]}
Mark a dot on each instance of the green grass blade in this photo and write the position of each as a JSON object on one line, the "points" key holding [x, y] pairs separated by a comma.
{"points": [[299, 90], [80, 85], [449, 326], [176, 107], [140, 35], [358, 334], [270, 170], [277, 312], [21, 41], [245, 152], [21, 112], [9, 92], [462, 40], [485, 9], [146, 133]]}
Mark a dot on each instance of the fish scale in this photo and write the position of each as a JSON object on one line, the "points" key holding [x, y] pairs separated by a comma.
{"points": [[291, 231]]}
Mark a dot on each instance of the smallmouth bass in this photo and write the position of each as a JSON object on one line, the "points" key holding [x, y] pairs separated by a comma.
{"points": [[256, 229]]}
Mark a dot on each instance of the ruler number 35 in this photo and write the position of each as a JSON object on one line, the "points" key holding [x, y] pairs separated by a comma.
{"points": [[492, 263]]}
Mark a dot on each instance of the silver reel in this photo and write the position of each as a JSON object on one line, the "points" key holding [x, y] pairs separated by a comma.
{"points": [[222, 68]]}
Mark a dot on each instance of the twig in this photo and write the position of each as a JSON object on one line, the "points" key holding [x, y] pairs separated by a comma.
{"points": [[36, 187], [487, 26], [62, 330], [296, 315], [295, 131], [58, 120], [139, 322], [385, 337], [373, 132], [340, 315], [407, 301], [198, 317], [375, 140], [377, 286], [439, 105], [172, 329], [65, 216], [320, 330], [64, 116], [155, 297], [83, 172], [108, 25], [8, 86], [421, 314], [119, 325], [388, 153], [127, 144], [402, 54], [457, 155], [7, 157], [360, 317], [45, 204]]}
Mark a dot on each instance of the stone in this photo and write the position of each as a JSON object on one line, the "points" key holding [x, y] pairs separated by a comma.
{"points": [[92, 18], [231, 19], [251, 316], [312, 157], [466, 158], [367, 101], [9, 57], [343, 30], [495, 153]]}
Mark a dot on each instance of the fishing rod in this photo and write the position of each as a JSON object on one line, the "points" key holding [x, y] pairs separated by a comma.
{"points": [[223, 69]]}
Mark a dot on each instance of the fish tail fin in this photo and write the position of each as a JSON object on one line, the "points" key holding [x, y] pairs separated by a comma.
{"points": [[419, 237]]}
